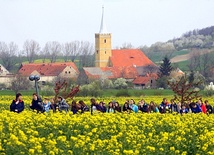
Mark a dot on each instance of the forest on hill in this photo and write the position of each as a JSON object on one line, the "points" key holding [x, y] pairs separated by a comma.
{"points": [[197, 39]]}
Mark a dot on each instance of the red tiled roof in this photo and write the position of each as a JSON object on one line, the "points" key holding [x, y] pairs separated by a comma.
{"points": [[142, 80], [129, 57], [128, 72], [145, 79], [46, 69], [91, 76]]}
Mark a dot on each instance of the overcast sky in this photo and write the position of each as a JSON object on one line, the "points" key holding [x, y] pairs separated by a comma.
{"points": [[139, 22]]}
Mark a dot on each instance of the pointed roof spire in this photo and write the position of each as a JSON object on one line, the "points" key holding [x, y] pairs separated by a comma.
{"points": [[103, 25]]}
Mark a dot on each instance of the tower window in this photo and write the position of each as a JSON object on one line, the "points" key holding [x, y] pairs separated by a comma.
{"points": [[104, 40], [97, 51], [105, 52]]}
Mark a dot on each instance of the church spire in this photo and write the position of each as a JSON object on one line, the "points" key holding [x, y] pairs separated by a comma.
{"points": [[103, 25]]}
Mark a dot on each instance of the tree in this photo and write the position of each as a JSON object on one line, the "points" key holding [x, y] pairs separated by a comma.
{"points": [[127, 46], [64, 89], [185, 89], [161, 82], [31, 49], [194, 63], [8, 54], [44, 54], [86, 57], [52, 50], [165, 68], [71, 50], [20, 83], [202, 61], [120, 83], [149, 69], [82, 77]]}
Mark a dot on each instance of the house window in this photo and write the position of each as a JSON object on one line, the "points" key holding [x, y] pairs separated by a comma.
{"points": [[97, 51], [65, 72], [69, 72], [151, 81], [104, 40]]}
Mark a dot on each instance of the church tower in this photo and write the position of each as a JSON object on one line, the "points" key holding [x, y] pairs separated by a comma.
{"points": [[102, 45]]}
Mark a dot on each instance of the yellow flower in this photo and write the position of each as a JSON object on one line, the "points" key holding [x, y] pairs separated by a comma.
{"points": [[31, 151], [92, 147], [172, 148]]}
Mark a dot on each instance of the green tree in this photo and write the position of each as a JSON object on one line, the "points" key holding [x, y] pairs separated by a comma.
{"points": [[165, 68], [164, 72]]}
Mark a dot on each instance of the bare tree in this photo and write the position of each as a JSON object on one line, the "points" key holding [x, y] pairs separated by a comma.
{"points": [[20, 83], [206, 64], [185, 89], [31, 49], [44, 54], [202, 61], [52, 50], [126, 46], [194, 63], [8, 54], [150, 69], [86, 54], [71, 50]]}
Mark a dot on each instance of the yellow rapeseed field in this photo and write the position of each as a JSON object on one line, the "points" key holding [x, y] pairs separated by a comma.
{"points": [[104, 133]]}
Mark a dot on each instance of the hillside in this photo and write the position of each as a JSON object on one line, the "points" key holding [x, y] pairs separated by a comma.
{"points": [[180, 49]]}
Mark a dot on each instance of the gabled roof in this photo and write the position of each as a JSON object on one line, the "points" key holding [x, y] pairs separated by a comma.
{"points": [[129, 57], [128, 72], [145, 79], [3, 70], [141, 80], [46, 69]]}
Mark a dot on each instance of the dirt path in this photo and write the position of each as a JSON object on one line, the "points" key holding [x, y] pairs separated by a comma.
{"points": [[180, 58], [185, 57]]}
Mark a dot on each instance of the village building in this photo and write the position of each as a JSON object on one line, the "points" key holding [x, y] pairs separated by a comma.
{"points": [[5, 76], [49, 71], [119, 63]]}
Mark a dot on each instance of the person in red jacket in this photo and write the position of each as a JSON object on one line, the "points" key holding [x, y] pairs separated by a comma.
{"points": [[203, 107]]}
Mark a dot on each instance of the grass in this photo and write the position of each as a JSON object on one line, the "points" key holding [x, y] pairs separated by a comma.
{"points": [[106, 93], [182, 52], [158, 56], [183, 65], [136, 92]]}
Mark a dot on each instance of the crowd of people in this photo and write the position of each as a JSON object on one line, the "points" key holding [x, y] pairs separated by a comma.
{"points": [[59, 104]]}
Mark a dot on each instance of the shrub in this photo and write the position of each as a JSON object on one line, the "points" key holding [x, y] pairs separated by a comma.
{"points": [[91, 89], [120, 83], [209, 92]]}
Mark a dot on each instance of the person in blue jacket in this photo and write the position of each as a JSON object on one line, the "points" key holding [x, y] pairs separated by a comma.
{"points": [[17, 105], [195, 108], [133, 106], [183, 110]]}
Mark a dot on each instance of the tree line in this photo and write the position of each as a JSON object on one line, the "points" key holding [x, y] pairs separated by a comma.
{"points": [[198, 38], [82, 51]]}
